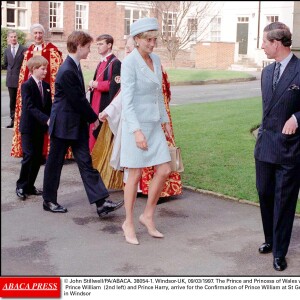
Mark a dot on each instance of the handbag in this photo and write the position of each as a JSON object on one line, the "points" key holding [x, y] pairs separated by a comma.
{"points": [[176, 159]]}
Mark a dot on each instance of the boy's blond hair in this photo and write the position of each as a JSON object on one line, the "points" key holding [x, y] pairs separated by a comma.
{"points": [[35, 62]]}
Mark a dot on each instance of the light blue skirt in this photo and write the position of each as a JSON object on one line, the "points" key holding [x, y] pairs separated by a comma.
{"points": [[157, 153]]}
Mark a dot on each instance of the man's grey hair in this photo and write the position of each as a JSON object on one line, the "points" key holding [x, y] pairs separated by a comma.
{"points": [[37, 25], [11, 31]]}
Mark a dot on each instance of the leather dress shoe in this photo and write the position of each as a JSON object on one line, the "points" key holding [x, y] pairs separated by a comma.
{"points": [[265, 248], [54, 207], [35, 192], [279, 263], [20, 193], [108, 206]]}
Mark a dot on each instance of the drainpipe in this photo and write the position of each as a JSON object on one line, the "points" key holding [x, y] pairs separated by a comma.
{"points": [[258, 26]]}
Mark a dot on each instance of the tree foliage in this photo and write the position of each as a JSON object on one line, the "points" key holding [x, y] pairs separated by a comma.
{"points": [[21, 40], [183, 22]]}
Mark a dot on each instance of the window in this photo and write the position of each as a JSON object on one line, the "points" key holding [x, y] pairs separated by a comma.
{"points": [[243, 19], [81, 16], [131, 15], [193, 27], [169, 23], [56, 14], [215, 29], [271, 19], [14, 14]]}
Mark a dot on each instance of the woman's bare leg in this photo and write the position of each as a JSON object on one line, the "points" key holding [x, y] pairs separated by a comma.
{"points": [[156, 186], [130, 191]]}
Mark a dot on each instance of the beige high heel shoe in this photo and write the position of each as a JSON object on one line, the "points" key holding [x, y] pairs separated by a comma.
{"points": [[130, 240], [152, 231]]}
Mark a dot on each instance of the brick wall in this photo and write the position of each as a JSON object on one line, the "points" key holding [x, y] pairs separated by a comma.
{"points": [[183, 58], [216, 55], [107, 17]]}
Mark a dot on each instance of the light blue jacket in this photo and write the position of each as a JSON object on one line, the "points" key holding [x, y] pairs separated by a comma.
{"points": [[142, 99]]}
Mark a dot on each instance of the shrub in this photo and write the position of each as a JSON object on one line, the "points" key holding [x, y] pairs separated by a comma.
{"points": [[21, 40]]}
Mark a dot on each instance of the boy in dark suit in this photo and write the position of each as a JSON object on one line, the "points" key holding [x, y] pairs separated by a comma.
{"points": [[36, 108], [13, 58], [71, 115]]}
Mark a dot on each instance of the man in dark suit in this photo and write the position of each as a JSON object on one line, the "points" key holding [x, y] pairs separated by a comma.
{"points": [[70, 115], [36, 108], [277, 150], [13, 58]]}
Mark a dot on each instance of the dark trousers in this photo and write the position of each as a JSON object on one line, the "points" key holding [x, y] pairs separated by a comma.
{"points": [[32, 146], [278, 188], [93, 184], [12, 101]]}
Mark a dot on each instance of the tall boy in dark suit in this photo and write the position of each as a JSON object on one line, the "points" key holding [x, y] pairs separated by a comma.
{"points": [[71, 115], [36, 108], [13, 58]]}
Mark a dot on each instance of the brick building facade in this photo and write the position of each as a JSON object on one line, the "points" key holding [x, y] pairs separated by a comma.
{"points": [[115, 17], [102, 17]]}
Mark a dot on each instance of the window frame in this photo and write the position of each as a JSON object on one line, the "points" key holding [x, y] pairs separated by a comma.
{"points": [[142, 12], [216, 29], [85, 19], [60, 16], [192, 24], [274, 18], [171, 26], [17, 9]]}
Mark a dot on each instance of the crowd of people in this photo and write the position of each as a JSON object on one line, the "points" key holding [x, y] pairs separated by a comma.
{"points": [[119, 139]]}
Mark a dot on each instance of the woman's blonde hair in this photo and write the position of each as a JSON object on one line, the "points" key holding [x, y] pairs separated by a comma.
{"points": [[147, 34]]}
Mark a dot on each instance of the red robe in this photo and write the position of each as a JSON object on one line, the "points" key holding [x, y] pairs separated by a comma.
{"points": [[103, 86]]}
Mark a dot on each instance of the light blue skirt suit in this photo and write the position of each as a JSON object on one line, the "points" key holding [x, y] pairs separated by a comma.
{"points": [[142, 108]]}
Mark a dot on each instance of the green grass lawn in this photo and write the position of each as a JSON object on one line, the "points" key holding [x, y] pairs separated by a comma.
{"points": [[217, 146], [181, 75]]}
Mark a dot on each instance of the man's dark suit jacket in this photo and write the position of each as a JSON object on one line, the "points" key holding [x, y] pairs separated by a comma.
{"points": [[272, 145], [35, 111], [13, 65], [71, 112]]}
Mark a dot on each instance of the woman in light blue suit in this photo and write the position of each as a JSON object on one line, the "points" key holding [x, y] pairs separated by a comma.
{"points": [[143, 142]]}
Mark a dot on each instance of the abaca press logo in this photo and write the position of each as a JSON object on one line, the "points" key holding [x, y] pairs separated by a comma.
{"points": [[30, 287]]}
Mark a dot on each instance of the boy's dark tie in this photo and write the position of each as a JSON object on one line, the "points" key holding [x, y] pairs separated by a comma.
{"points": [[41, 90], [276, 75], [81, 75]]}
